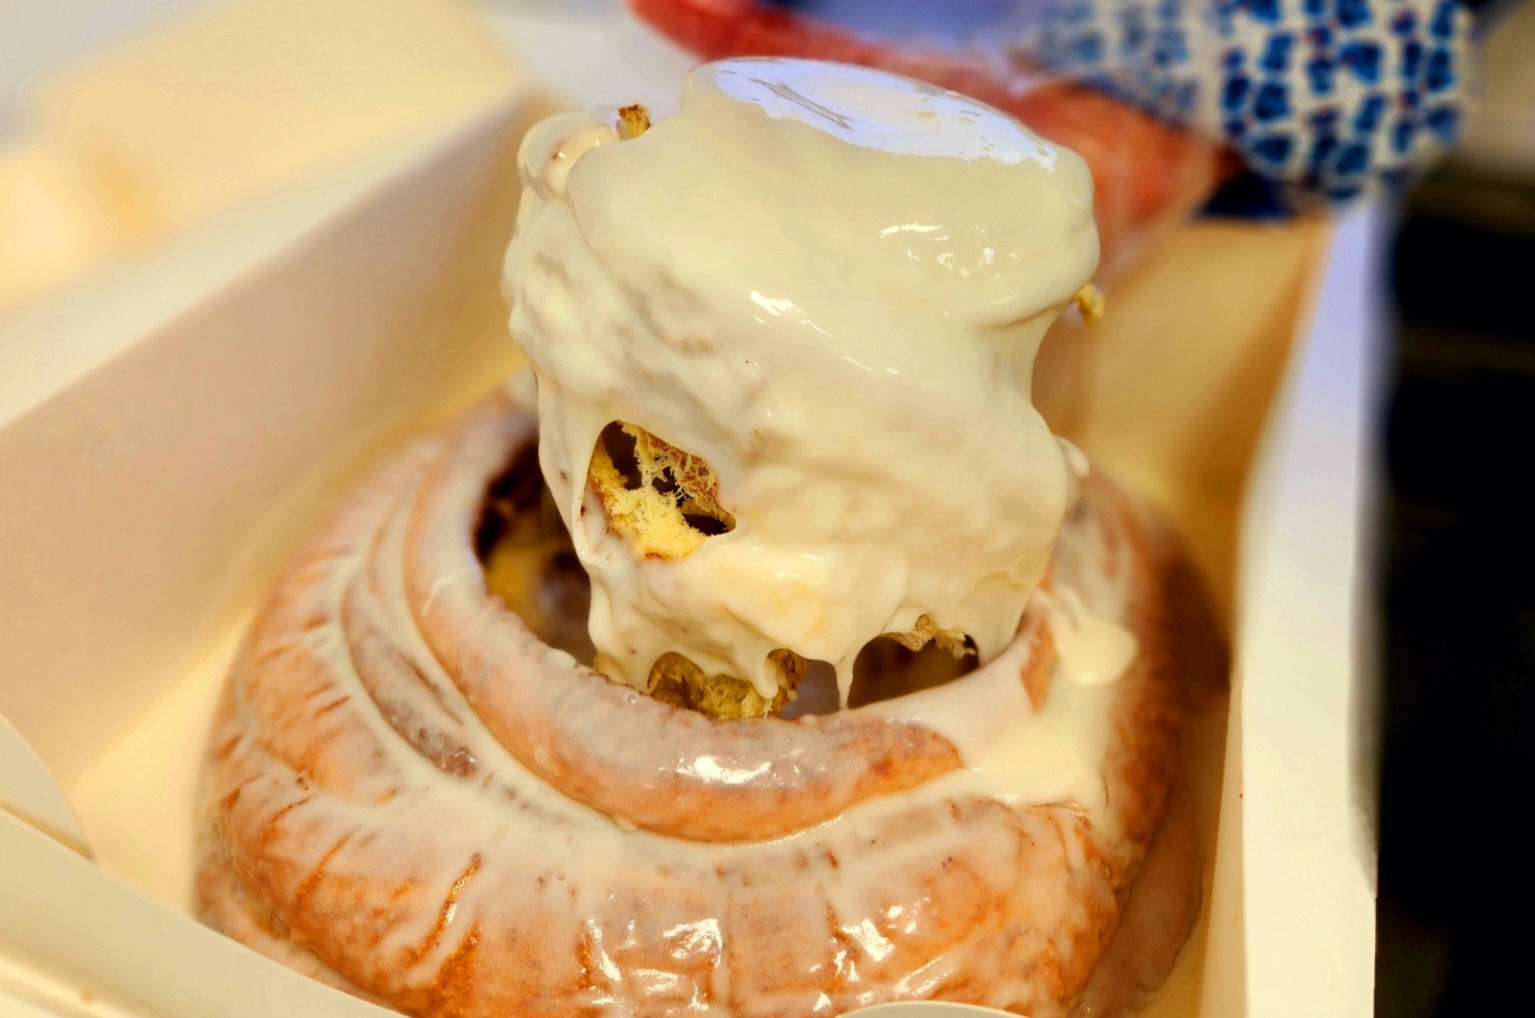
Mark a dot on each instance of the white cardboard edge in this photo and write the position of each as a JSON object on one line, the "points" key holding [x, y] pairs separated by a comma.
{"points": [[74, 938], [29, 793], [70, 924], [52, 343], [338, 202], [1308, 854]]}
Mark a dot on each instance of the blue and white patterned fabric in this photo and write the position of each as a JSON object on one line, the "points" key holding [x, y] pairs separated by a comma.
{"points": [[1323, 99]]}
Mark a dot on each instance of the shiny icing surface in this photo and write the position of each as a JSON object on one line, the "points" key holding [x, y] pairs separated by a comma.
{"points": [[440, 808], [829, 283]]}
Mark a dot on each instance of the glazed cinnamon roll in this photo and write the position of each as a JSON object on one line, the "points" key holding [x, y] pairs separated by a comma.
{"points": [[416, 797], [700, 691]]}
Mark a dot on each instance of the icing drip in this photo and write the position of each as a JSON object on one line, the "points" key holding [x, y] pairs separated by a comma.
{"points": [[829, 284]]}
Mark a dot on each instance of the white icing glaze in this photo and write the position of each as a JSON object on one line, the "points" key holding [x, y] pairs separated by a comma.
{"points": [[1093, 650], [1054, 755], [1010, 751], [829, 283], [536, 851], [522, 390]]}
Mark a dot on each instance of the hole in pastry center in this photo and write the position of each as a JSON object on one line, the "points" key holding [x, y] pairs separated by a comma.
{"points": [[529, 560], [817, 693], [887, 668]]}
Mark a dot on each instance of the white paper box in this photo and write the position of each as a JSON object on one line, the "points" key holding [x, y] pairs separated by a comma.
{"points": [[193, 413]]}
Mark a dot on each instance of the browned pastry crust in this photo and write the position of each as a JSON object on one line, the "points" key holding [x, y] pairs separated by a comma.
{"points": [[409, 793]]}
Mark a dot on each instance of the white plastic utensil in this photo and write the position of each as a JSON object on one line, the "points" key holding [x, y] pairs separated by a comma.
{"points": [[927, 1009], [28, 792]]}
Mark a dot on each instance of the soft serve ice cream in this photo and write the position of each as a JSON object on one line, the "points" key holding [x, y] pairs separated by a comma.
{"points": [[828, 284]]}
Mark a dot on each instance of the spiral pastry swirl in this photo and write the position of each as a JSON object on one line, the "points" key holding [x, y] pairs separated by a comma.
{"points": [[414, 798]]}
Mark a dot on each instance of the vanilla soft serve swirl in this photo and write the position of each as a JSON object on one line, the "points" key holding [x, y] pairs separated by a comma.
{"points": [[830, 284]]}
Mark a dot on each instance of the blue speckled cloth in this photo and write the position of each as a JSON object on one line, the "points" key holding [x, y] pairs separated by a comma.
{"points": [[1323, 99]]}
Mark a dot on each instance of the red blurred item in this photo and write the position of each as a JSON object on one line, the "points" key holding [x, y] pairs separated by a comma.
{"points": [[1146, 174]]}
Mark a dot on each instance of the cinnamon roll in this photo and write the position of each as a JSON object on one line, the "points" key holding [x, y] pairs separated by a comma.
{"points": [[527, 728]]}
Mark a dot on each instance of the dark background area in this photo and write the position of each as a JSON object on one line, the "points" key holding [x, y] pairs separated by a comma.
{"points": [[1456, 562]]}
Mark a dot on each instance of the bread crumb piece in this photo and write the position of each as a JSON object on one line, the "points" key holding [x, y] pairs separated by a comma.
{"points": [[633, 121], [1090, 303]]}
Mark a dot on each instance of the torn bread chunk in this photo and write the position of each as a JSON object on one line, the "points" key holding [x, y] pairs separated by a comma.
{"points": [[665, 503], [649, 519], [927, 631], [676, 680]]}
